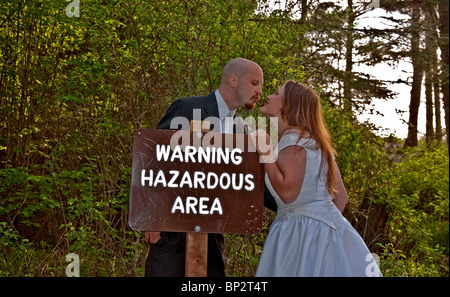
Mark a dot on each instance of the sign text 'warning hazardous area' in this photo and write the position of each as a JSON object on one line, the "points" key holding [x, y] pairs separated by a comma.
{"points": [[188, 181]]}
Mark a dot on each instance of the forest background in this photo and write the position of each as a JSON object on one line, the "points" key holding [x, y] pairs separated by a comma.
{"points": [[77, 78]]}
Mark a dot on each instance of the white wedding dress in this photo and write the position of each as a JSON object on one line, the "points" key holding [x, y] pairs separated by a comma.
{"points": [[310, 237]]}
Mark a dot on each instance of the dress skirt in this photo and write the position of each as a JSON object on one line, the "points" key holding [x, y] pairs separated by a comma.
{"points": [[308, 245]]}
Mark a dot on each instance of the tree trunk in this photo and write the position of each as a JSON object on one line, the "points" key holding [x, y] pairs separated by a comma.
{"points": [[417, 62], [443, 44], [430, 60], [349, 58], [371, 222], [437, 99], [301, 34], [429, 127]]}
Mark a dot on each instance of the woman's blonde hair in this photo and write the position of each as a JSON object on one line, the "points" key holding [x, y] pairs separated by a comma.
{"points": [[302, 110]]}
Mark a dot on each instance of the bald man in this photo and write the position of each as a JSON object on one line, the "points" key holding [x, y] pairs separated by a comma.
{"points": [[241, 85]]}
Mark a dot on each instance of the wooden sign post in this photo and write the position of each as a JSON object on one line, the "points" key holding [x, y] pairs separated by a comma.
{"points": [[197, 182], [197, 243], [196, 254]]}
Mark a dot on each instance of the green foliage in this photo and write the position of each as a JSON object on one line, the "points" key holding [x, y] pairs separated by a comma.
{"points": [[417, 200]]}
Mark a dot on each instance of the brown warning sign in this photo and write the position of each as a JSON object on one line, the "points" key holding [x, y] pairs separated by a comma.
{"points": [[195, 182]]}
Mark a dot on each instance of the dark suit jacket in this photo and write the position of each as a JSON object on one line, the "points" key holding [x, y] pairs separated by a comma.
{"points": [[207, 105], [167, 256]]}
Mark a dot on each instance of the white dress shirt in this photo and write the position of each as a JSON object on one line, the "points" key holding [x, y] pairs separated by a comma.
{"points": [[224, 113]]}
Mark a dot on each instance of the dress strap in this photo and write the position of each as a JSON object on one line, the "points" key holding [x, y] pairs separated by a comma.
{"points": [[293, 139]]}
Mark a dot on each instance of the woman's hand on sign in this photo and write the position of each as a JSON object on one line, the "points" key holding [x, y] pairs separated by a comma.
{"points": [[152, 237], [263, 144]]}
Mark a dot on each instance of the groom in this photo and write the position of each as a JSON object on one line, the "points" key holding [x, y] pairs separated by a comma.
{"points": [[241, 85]]}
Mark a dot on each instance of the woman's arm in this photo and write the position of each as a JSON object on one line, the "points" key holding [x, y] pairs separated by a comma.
{"points": [[340, 198], [287, 173]]}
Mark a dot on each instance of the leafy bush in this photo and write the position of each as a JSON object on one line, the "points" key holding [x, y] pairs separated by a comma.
{"points": [[417, 201]]}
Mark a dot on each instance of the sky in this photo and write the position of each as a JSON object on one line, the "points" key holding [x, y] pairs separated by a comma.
{"points": [[390, 122]]}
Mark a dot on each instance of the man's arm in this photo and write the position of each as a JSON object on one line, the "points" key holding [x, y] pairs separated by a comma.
{"points": [[269, 201], [176, 109]]}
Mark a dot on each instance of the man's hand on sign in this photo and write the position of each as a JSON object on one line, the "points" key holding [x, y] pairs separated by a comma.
{"points": [[152, 237]]}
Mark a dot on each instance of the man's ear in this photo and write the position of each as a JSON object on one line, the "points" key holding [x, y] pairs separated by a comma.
{"points": [[233, 81]]}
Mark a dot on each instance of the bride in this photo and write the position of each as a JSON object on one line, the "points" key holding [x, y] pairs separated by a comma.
{"points": [[309, 236]]}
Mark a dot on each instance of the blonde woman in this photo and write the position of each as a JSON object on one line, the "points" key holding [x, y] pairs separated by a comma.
{"points": [[309, 236]]}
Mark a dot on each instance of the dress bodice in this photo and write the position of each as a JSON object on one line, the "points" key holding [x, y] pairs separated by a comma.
{"points": [[313, 199]]}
